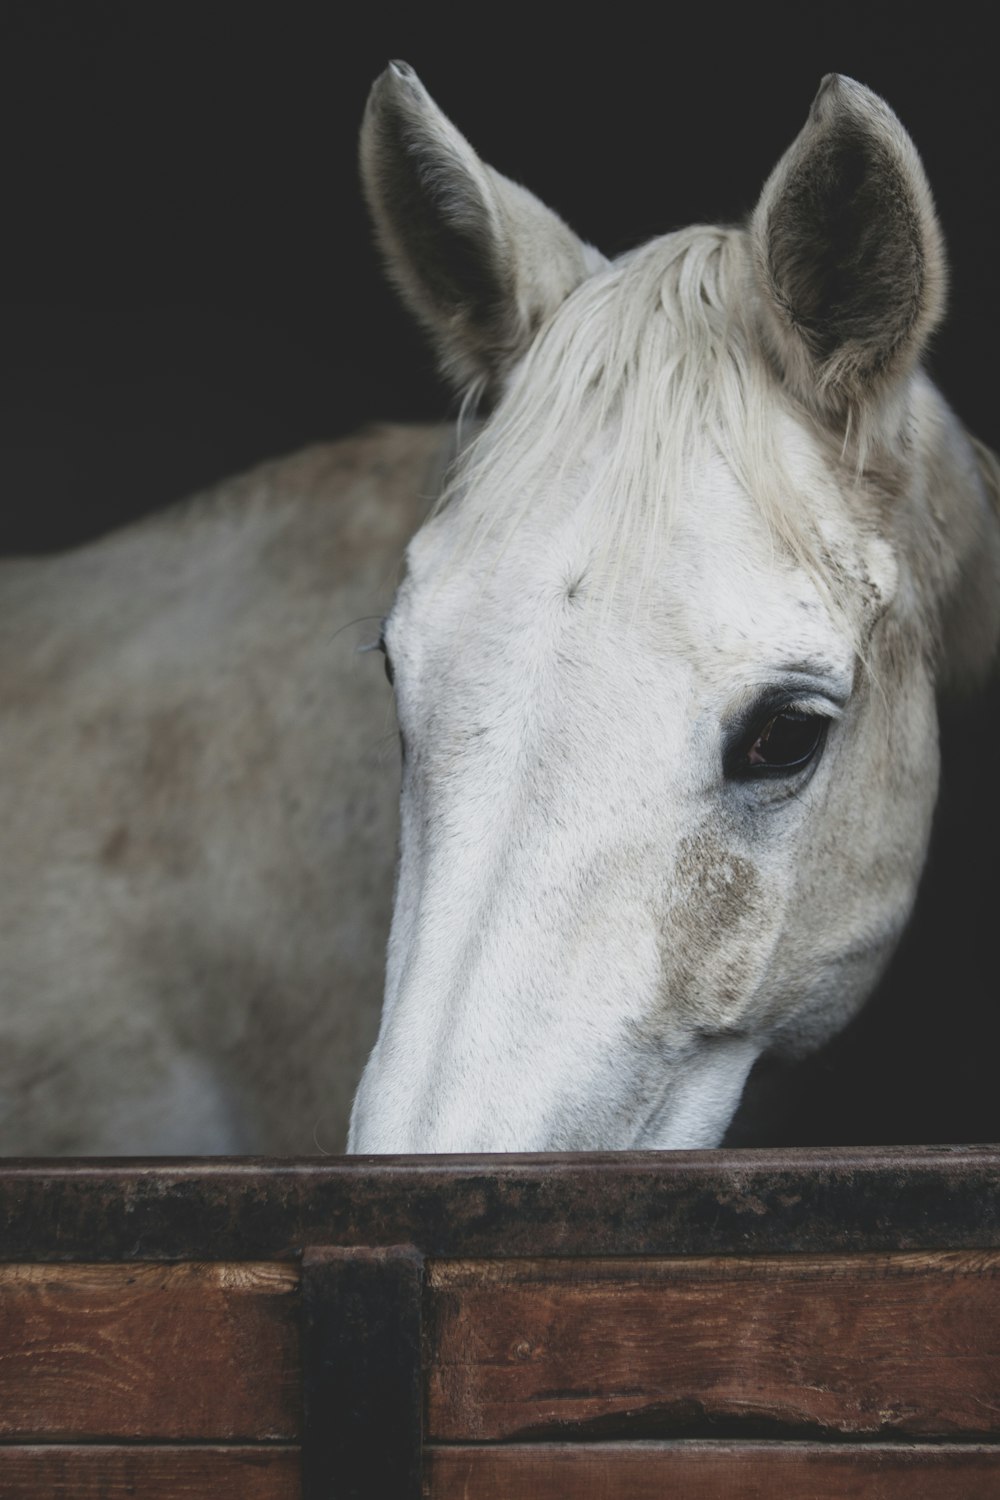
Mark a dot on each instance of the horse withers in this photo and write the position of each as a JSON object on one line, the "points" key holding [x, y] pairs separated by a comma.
{"points": [[666, 657]]}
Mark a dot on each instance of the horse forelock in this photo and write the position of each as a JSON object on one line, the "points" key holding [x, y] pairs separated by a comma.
{"points": [[651, 369]]}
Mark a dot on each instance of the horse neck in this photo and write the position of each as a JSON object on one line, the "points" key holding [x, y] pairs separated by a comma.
{"points": [[955, 540]]}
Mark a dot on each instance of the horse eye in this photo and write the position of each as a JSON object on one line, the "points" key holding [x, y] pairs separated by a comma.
{"points": [[381, 646], [786, 742]]}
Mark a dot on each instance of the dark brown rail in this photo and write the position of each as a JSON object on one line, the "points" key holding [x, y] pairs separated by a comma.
{"points": [[635, 1203]]}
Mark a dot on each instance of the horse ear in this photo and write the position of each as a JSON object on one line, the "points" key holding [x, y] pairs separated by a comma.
{"points": [[478, 259], [848, 252]]}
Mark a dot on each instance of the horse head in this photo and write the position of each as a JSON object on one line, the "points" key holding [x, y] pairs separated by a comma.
{"points": [[668, 651]]}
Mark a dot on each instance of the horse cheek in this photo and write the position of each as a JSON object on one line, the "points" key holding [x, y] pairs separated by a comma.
{"points": [[711, 936]]}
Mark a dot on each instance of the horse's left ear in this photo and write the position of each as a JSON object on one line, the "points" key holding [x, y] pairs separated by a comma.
{"points": [[477, 258], [849, 254]]}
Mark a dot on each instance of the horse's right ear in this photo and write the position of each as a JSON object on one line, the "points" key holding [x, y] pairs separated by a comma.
{"points": [[478, 259], [848, 252]]}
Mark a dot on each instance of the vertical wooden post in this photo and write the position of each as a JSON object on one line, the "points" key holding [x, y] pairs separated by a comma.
{"points": [[361, 1356]]}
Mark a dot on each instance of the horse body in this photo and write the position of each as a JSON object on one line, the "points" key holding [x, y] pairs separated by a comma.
{"points": [[667, 658], [199, 813]]}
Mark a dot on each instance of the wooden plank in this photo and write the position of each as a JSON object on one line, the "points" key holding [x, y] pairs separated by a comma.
{"points": [[706, 1471], [779, 1346], [361, 1355], [627, 1203], [154, 1473], [150, 1351]]}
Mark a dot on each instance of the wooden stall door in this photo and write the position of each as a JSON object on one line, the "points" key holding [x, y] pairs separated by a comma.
{"points": [[747, 1325]]}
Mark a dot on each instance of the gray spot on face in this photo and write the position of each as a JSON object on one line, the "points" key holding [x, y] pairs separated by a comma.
{"points": [[716, 912], [723, 885]]}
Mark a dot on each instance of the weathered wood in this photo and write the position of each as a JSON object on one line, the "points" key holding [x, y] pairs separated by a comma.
{"points": [[147, 1351], [362, 1347], [706, 1471], [631, 1203], [783, 1346], [154, 1473]]}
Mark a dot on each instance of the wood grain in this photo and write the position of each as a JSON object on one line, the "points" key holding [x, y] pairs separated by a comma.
{"points": [[706, 1471], [100, 1473], [150, 1351], [907, 1345]]}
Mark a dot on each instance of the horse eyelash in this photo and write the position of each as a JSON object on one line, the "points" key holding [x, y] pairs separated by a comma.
{"points": [[378, 644], [822, 707]]}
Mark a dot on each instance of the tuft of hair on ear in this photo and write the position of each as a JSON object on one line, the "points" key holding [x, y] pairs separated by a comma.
{"points": [[848, 253], [478, 260]]}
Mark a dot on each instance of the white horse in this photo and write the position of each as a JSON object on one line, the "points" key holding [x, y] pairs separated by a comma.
{"points": [[666, 661]]}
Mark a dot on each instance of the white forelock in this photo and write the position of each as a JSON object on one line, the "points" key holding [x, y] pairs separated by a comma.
{"points": [[650, 370]]}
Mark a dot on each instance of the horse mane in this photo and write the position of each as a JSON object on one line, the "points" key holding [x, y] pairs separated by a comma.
{"points": [[658, 357]]}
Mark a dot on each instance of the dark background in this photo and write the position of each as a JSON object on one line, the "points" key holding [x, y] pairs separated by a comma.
{"points": [[187, 286]]}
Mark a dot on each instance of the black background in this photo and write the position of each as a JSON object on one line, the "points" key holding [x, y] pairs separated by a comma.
{"points": [[188, 286]]}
